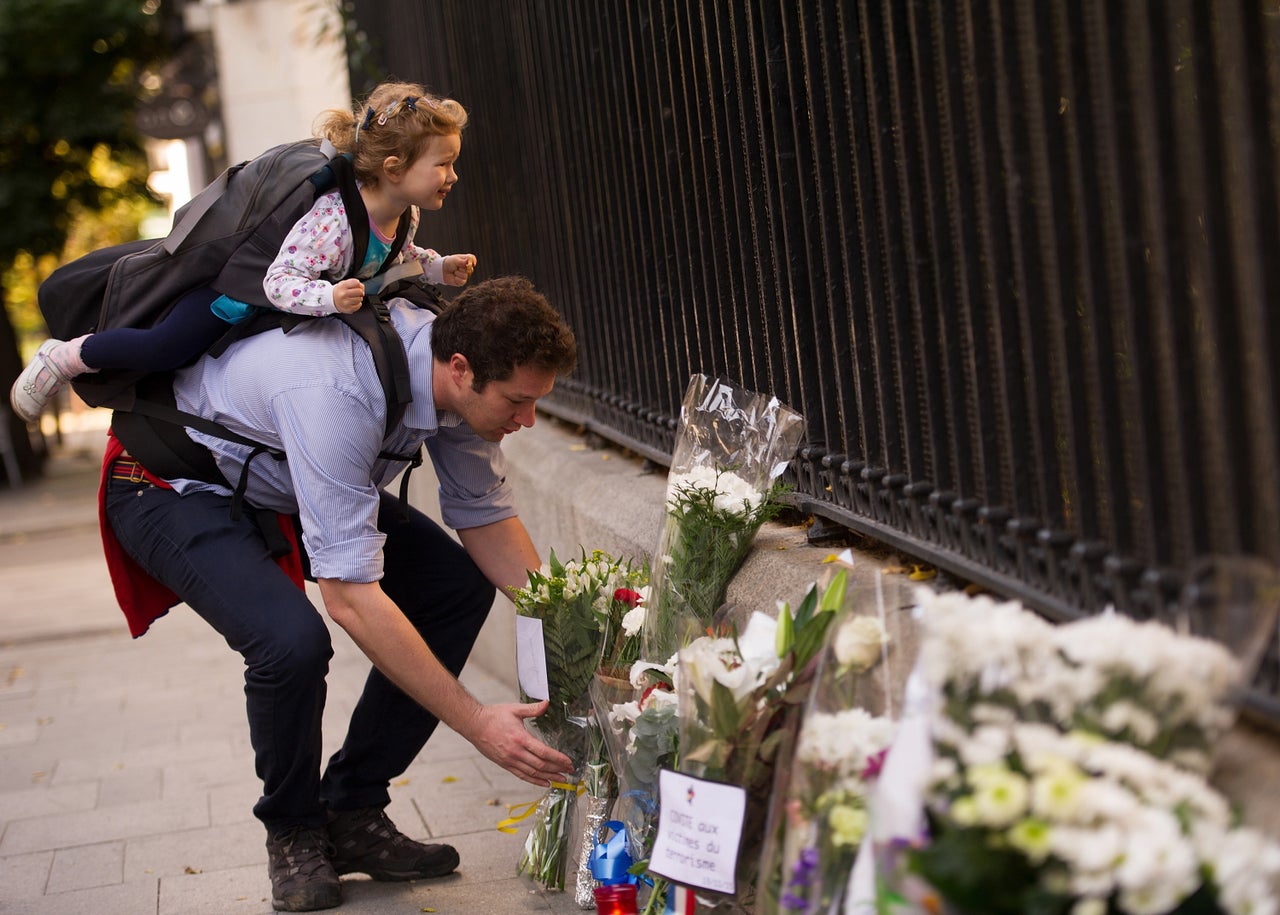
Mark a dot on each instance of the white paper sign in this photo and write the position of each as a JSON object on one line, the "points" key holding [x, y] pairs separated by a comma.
{"points": [[699, 828], [531, 658]]}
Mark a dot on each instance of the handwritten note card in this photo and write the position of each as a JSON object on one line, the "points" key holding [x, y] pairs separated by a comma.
{"points": [[699, 828]]}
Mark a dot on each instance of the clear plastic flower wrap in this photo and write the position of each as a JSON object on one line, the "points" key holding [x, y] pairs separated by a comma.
{"points": [[732, 446], [575, 602], [818, 813], [639, 726], [1064, 768], [740, 696]]}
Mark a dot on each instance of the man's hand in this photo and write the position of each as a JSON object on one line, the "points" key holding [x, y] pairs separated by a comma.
{"points": [[394, 646], [457, 268], [347, 295], [499, 733]]}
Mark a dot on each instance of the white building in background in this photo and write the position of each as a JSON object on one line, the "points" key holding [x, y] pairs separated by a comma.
{"points": [[279, 63]]}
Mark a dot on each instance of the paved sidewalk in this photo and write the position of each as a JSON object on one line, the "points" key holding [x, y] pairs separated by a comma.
{"points": [[126, 777]]}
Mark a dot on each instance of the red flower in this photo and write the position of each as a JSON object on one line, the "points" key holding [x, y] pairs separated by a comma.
{"points": [[874, 764], [627, 596], [645, 695]]}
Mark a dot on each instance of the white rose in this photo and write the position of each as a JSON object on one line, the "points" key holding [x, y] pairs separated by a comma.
{"points": [[859, 642]]}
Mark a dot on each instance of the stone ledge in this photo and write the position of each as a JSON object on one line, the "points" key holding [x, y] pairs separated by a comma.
{"points": [[574, 495]]}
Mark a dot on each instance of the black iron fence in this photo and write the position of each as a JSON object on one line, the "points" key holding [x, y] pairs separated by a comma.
{"points": [[1014, 261]]}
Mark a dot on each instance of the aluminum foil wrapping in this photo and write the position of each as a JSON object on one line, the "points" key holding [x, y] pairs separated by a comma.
{"points": [[593, 810]]}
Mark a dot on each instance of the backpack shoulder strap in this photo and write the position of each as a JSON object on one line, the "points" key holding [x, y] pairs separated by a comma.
{"points": [[373, 323], [358, 217], [153, 432]]}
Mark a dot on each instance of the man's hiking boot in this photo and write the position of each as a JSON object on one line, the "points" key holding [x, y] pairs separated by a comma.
{"points": [[367, 842], [302, 879]]}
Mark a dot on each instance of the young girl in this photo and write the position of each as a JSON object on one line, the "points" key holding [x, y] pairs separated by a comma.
{"points": [[402, 143]]}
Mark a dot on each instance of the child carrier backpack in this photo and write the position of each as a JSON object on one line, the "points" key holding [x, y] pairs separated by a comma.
{"points": [[224, 238]]}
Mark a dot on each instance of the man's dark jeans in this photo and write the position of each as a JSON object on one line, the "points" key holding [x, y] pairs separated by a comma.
{"points": [[221, 568]]}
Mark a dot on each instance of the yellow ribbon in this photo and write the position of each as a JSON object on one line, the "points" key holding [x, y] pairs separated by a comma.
{"points": [[526, 809]]}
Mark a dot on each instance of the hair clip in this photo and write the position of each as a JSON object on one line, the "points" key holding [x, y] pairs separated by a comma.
{"points": [[411, 102], [368, 117]]}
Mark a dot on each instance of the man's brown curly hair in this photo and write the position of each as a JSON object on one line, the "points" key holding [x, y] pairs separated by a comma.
{"points": [[500, 324]]}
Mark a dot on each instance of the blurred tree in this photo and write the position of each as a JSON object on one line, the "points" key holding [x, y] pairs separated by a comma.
{"points": [[72, 73]]}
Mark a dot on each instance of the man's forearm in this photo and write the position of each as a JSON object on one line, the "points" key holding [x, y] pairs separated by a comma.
{"points": [[383, 633], [503, 551]]}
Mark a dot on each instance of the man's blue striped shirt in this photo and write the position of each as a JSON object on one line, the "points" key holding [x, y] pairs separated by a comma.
{"points": [[315, 394]]}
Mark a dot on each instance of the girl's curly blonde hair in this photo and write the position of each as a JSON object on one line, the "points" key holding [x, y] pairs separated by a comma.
{"points": [[397, 119]]}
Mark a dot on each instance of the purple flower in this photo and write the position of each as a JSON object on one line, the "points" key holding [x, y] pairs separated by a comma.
{"points": [[792, 901], [801, 876]]}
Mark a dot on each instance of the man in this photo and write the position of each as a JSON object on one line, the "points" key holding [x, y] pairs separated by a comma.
{"points": [[406, 592]]}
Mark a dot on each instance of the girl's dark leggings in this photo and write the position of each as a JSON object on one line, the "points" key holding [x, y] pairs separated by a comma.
{"points": [[178, 339]]}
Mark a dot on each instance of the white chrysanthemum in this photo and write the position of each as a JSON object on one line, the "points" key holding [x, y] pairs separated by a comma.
{"points": [[988, 713], [1127, 716], [1103, 800], [999, 795], [978, 641], [848, 824], [734, 494], [1041, 748], [1246, 869], [985, 745], [1092, 854], [1159, 869], [1055, 795], [1033, 837], [843, 742]]}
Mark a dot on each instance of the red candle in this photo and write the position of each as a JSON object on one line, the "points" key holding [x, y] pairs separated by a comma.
{"points": [[616, 899]]}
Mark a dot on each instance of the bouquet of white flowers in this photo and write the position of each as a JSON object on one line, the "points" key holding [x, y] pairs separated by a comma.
{"points": [[731, 447], [819, 810], [1067, 775], [574, 602], [740, 696], [1136, 682]]}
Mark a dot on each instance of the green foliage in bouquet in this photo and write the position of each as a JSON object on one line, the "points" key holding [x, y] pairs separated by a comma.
{"points": [[576, 602], [740, 702], [712, 518]]}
